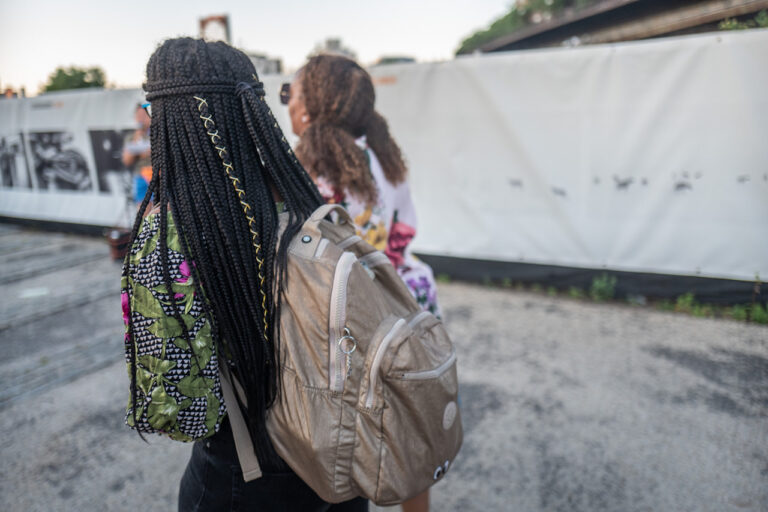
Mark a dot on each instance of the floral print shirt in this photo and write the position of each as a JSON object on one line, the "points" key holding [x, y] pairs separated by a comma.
{"points": [[389, 226]]}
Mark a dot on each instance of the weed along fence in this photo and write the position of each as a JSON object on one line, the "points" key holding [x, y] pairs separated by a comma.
{"points": [[642, 161]]}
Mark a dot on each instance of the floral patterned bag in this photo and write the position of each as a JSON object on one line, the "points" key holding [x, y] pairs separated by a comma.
{"points": [[179, 392]]}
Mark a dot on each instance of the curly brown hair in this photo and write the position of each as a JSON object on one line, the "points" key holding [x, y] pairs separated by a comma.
{"points": [[339, 98]]}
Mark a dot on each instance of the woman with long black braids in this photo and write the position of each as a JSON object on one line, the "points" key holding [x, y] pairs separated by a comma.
{"points": [[223, 172]]}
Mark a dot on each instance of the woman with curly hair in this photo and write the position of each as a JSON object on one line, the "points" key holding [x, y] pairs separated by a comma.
{"points": [[346, 147]]}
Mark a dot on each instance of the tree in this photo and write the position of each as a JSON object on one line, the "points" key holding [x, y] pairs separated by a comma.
{"points": [[760, 21], [75, 78], [521, 14]]}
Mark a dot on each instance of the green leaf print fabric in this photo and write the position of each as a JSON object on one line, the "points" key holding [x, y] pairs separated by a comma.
{"points": [[179, 392]]}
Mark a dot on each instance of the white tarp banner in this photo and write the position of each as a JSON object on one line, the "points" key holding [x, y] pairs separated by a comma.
{"points": [[60, 154], [647, 156]]}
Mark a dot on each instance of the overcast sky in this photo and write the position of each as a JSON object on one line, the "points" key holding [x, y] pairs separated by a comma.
{"points": [[36, 36]]}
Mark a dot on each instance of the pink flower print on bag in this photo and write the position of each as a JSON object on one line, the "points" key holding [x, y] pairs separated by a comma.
{"points": [[185, 272], [125, 300]]}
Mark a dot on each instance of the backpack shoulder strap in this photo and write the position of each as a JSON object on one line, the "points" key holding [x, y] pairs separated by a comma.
{"points": [[246, 454], [249, 463], [326, 209], [305, 244]]}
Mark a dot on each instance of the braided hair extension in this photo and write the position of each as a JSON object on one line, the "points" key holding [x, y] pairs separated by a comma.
{"points": [[220, 159], [339, 98]]}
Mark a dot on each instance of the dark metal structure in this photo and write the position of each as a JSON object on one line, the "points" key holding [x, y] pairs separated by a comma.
{"points": [[611, 21]]}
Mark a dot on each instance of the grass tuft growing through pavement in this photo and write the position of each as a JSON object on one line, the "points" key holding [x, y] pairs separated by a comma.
{"points": [[603, 289]]}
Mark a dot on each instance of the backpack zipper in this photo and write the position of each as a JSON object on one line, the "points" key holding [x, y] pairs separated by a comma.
{"points": [[338, 317], [374, 372], [433, 373], [418, 318]]}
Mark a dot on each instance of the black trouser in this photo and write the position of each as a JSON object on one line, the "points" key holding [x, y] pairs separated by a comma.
{"points": [[213, 481]]}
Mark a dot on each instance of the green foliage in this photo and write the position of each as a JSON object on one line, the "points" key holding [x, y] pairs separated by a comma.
{"points": [[144, 302], [166, 328], [685, 303], [738, 312], [603, 288], [212, 414], [702, 310], [759, 21], [162, 410], [504, 25], [155, 365], [144, 379], [759, 314], [519, 15], [732, 24], [195, 385], [443, 278], [75, 78]]}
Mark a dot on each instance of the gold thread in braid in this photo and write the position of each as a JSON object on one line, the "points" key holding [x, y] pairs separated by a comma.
{"points": [[228, 168]]}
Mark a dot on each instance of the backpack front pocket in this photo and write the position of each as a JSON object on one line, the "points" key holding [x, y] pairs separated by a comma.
{"points": [[420, 415]]}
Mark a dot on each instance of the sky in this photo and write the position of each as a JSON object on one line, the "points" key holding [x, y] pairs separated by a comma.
{"points": [[36, 36]]}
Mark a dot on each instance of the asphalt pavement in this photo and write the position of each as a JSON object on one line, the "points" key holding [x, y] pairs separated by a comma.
{"points": [[567, 405]]}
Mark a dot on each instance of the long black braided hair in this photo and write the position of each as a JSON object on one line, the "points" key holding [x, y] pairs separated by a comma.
{"points": [[219, 160]]}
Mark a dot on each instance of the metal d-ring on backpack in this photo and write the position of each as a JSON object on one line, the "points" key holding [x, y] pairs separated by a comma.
{"points": [[368, 404]]}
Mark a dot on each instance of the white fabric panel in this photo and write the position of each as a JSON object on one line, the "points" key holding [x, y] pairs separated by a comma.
{"points": [[647, 156], [56, 131], [74, 117]]}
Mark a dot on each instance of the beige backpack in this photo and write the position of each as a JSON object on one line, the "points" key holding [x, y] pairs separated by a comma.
{"points": [[368, 405]]}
